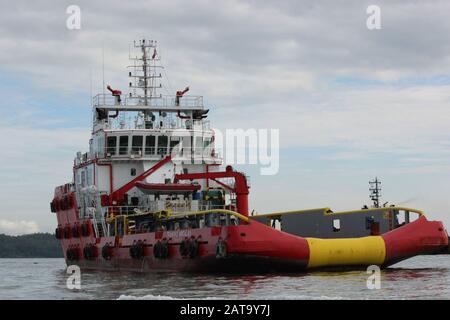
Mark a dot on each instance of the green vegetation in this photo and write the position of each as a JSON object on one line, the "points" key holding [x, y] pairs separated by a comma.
{"points": [[37, 245]]}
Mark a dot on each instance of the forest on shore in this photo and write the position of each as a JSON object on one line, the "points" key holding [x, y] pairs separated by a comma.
{"points": [[36, 245]]}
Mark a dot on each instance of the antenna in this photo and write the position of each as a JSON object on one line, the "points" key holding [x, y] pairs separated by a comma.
{"points": [[375, 192], [144, 71], [90, 86], [103, 68]]}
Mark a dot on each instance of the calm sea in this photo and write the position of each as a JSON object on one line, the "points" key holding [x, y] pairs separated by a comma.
{"points": [[425, 277]]}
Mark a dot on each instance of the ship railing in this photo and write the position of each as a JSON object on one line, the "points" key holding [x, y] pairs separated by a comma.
{"points": [[158, 102], [123, 210], [160, 152], [206, 206], [170, 221]]}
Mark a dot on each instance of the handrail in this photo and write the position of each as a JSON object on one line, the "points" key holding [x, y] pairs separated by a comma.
{"points": [[229, 212], [163, 101], [184, 214], [328, 211], [419, 212], [282, 213]]}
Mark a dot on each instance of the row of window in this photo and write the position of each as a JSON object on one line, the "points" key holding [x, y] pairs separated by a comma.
{"points": [[149, 145]]}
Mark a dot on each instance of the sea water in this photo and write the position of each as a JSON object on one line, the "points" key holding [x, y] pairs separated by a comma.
{"points": [[423, 277]]}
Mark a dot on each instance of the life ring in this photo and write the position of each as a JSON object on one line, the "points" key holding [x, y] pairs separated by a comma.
{"points": [[107, 252], [221, 249]]}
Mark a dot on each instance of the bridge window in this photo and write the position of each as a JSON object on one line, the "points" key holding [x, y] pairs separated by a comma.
{"points": [[136, 144], [187, 145], [206, 142], [198, 145], [123, 145], [336, 225], [162, 145], [207, 146], [83, 178], [150, 145], [112, 145], [174, 142]]}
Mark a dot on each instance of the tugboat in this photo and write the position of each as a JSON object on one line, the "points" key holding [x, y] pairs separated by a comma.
{"points": [[151, 195]]}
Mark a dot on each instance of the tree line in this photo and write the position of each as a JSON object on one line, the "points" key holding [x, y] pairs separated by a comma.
{"points": [[36, 245]]}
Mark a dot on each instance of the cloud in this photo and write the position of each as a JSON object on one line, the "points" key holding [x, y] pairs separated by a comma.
{"points": [[18, 227], [369, 100], [34, 162]]}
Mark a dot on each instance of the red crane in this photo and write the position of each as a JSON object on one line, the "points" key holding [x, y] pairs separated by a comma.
{"points": [[240, 187], [118, 196]]}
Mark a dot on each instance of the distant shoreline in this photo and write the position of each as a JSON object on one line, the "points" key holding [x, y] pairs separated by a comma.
{"points": [[36, 245]]}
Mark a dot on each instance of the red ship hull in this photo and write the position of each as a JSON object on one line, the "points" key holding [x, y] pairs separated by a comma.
{"points": [[249, 247]]}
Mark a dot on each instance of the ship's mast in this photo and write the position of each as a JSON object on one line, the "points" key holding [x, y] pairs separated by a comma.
{"points": [[375, 192], [144, 102], [144, 72]]}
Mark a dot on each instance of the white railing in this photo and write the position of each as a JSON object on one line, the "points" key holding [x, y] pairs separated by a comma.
{"points": [[176, 208], [124, 210], [159, 152], [161, 102]]}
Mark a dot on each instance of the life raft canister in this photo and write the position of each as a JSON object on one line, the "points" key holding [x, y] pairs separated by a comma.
{"points": [[107, 252], [137, 250], [221, 249]]}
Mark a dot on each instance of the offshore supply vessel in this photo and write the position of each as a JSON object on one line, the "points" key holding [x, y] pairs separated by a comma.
{"points": [[151, 195]]}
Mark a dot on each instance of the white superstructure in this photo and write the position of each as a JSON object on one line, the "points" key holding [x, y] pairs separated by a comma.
{"points": [[132, 133]]}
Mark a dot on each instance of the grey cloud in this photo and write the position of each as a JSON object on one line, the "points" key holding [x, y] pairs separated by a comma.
{"points": [[271, 62]]}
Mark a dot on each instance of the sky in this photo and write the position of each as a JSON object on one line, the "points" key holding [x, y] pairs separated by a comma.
{"points": [[349, 103]]}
